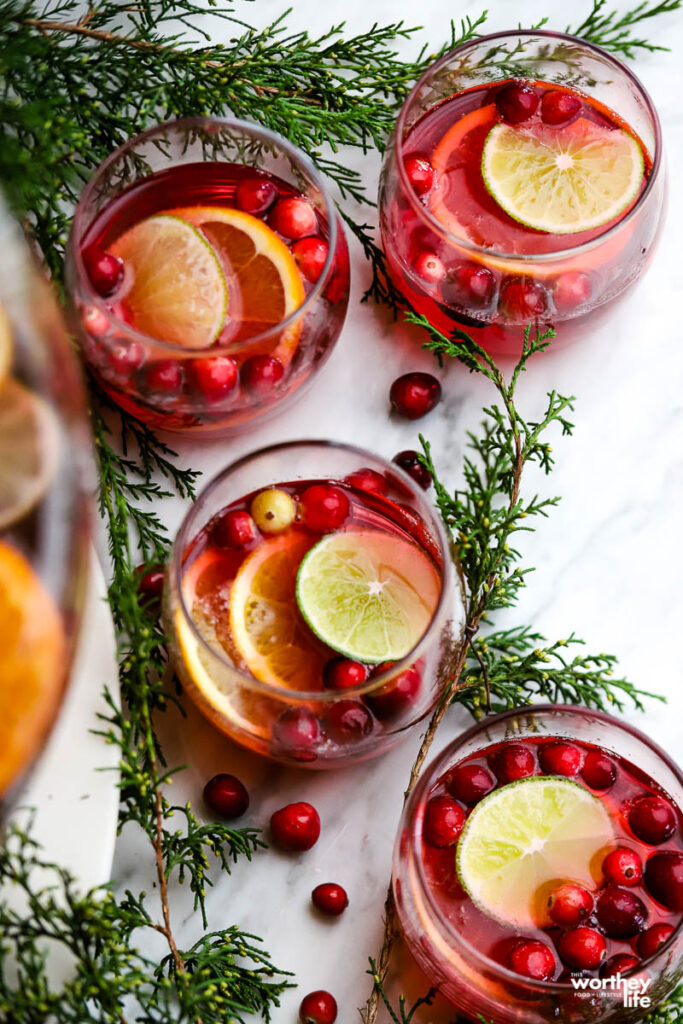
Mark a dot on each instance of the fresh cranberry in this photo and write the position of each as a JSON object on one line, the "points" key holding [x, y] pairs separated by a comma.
{"points": [[522, 299], [619, 964], [532, 959], [151, 585], [94, 321], [164, 377], [318, 1008], [410, 463], [621, 914], [256, 196], [582, 948], [664, 879], [125, 358], [395, 697], [421, 174], [215, 377], [311, 257], [343, 674], [623, 867], [330, 898], [470, 783], [429, 267], [560, 108], [234, 529], [295, 827], [513, 761], [324, 507], [469, 285], [104, 270], [443, 822], [348, 720], [517, 102], [260, 374], [297, 732], [652, 819], [599, 771], [294, 217], [654, 937], [226, 796], [569, 905], [414, 395], [368, 480], [571, 290], [560, 759]]}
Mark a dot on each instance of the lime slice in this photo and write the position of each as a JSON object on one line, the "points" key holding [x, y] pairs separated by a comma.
{"points": [[177, 290], [368, 595], [524, 838], [562, 180], [29, 451]]}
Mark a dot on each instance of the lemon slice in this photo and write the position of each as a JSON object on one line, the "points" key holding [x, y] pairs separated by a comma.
{"points": [[368, 595], [523, 838], [177, 291], [6, 345], [29, 451], [562, 180]]}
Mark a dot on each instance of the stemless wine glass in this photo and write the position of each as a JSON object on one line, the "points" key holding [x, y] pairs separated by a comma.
{"points": [[44, 474], [194, 168], [461, 277], [292, 715]]}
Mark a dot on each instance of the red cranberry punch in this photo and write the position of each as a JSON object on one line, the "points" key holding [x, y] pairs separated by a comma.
{"points": [[538, 870], [208, 274], [524, 185]]}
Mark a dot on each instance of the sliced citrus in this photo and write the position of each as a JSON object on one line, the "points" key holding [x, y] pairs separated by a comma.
{"points": [[265, 285], [562, 180], [522, 838], [29, 450], [6, 345], [32, 662], [368, 595], [177, 291]]}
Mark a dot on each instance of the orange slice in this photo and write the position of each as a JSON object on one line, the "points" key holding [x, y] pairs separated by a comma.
{"points": [[6, 345], [32, 663], [29, 451]]}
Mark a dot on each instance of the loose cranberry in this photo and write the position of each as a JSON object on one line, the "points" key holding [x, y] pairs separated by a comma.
{"points": [[151, 585], [532, 959], [104, 270], [582, 948], [164, 377], [296, 826], [664, 879], [348, 720], [652, 819], [517, 102], [560, 108], [330, 898], [414, 395], [294, 217], [94, 321], [311, 257], [443, 822], [619, 964], [429, 267], [421, 174], [654, 937], [469, 285], [368, 480], [522, 299], [260, 374], [571, 290], [569, 905], [470, 783], [599, 771], [318, 1008], [125, 358], [560, 759], [343, 674], [395, 697], [234, 529], [623, 867], [410, 463], [297, 733], [216, 377], [226, 796], [621, 914], [256, 196], [324, 507], [513, 761]]}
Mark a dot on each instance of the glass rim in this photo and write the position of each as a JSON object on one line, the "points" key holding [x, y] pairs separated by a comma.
{"points": [[174, 569], [436, 769], [530, 258], [79, 229]]}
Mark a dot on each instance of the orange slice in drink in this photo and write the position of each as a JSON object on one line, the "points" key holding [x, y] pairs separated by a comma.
{"points": [[29, 451], [6, 345], [32, 663]]}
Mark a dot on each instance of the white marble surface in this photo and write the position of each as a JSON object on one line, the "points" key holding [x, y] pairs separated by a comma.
{"points": [[610, 559]]}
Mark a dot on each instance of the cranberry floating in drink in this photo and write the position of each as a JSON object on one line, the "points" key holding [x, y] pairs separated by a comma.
{"points": [[524, 185]]}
